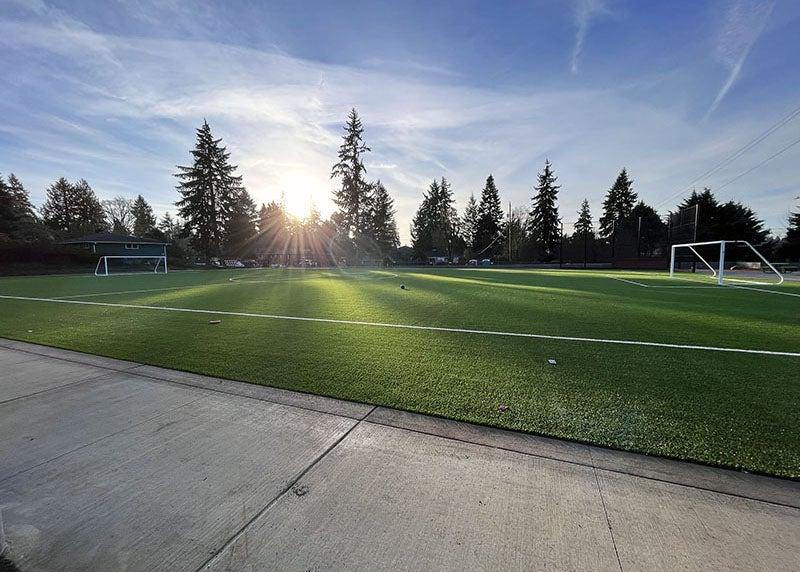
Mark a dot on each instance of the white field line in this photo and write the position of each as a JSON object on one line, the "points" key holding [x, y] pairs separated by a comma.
{"points": [[409, 326], [628, 281], [765, 290]]}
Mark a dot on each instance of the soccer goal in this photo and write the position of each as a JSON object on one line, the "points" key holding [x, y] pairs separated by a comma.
{"points": [[725, 260], [108, 265]]}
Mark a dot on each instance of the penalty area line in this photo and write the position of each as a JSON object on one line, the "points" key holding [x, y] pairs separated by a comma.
{"points": [[408, 326]]}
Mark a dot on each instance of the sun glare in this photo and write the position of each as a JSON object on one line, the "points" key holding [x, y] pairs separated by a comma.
{"points": [[301, 192]]}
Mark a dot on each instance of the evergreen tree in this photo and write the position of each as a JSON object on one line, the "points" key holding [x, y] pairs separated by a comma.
{"points": [[209, 189], [240, 228], [490, 218], [273, 230], [91, 217], [73, 209], [790, 247], [169, 227], [469, 222], [584, 226], [17, 217], [618, 204], [383, 228], [722, 221], [515, 231], [352, 198], [544, 224], [708, 212], [58, 210], [435, 226], [8, 213], [143, 219], [651, 231]]}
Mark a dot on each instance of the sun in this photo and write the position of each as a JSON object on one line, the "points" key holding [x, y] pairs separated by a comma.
{"points": [[301, 191]]}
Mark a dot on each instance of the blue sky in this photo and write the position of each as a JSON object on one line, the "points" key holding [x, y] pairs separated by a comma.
{"points": [[111, 92]]}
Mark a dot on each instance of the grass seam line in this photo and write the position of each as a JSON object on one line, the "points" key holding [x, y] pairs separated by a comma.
{"points": [[411, 327]]}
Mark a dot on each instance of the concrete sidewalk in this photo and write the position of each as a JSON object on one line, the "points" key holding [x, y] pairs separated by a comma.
{"points": [[108, 465]]}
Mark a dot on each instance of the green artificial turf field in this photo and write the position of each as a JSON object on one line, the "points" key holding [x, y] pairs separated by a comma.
{"points": [[731, 408]]}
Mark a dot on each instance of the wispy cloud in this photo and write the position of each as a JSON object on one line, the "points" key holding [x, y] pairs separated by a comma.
{"points": [[743, 23], [121, 112], [585, 12]]}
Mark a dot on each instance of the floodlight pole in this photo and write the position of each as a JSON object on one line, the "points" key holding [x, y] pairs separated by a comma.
{"points": [[721, 262]]}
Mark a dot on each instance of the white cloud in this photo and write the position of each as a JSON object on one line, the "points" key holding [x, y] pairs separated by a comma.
{"points": [[584, 12], [137, 101], [742, 25]]}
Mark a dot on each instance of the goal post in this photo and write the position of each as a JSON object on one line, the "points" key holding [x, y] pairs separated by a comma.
{"points": [[131, 263], [721, 265]]}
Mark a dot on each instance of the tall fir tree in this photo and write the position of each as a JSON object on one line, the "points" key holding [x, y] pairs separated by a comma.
{"points": [[618, 204], [382, 224], [469, 222], [352, 197], [240, 228], [273, 230], [209, 189], [651, 231], [91, 217], [790, 247], [144, 222], [73, 209], [544, 224], [584, 226], [58, 211], [490, 219], [721, 221], [171, 228], [435, 226], [17, 216]]}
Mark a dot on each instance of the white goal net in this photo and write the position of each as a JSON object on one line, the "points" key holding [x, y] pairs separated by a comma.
{"points": [[724, 261], [108, 265]]}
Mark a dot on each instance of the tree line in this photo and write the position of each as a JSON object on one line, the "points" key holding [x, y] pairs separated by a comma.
{"points": [[627, 227], [217, 217]]}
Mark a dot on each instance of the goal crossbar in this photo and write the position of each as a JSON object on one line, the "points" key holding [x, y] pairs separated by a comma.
{"points": [[102, 264], [719, 272]]}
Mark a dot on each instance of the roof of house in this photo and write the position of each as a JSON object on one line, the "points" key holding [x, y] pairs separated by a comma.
{"points": [[111, 238]]}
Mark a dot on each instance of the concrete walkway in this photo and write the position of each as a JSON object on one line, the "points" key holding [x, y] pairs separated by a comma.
{"points": [[112, 465]]}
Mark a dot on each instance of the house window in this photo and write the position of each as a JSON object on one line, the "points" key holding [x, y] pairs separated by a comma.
{"points": [[131, 246]]}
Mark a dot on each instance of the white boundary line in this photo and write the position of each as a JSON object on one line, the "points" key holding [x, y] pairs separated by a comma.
{"points": [[410, 326], [658, 286], [628, 281], [764, 290]]}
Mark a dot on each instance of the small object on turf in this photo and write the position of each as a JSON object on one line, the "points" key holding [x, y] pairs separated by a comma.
{"points": [[402, 286], [30, 331], [215, 321], [551, 361], [503, 408], [230, 279]]}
